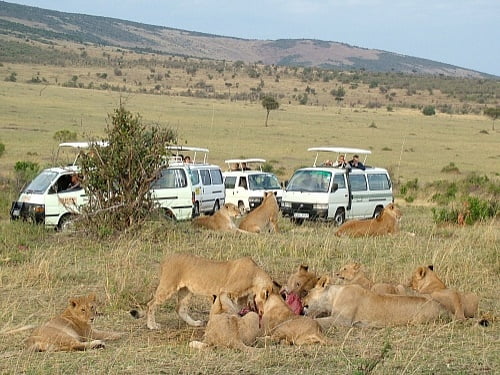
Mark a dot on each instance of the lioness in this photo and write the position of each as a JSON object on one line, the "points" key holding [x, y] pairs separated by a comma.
{"points": [[301, 282], [262, 217], [227, 329], [387, 222], [186, 274], [72, 330], [221, 220], [425, 281], [282, 324], [351, 305], [353, 274]]}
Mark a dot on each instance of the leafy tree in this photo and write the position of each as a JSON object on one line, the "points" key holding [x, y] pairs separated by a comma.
{"points": [[64, 136], [118, 177], [270, 104], [492, 113]]}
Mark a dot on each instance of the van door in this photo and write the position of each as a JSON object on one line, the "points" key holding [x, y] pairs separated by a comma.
{"points": [[340, 197], [60, 200], [359, 189], [207, 198]]}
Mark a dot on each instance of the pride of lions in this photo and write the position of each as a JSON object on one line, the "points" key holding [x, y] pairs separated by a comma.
{"points": [[248, 304]]}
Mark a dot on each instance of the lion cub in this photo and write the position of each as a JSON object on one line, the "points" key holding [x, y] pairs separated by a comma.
{"points": [[71, 330], [353, 274], [425, 281], [227, 329]]}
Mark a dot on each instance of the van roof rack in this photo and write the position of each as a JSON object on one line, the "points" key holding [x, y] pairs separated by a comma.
{"points": [[339, 151], [178, 157], [80, 146], [239, 163]]}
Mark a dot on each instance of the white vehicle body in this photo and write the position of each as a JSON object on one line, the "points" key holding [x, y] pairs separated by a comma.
{"points": [[47, 199], [329, 193], [245, 187], [184, 189]]}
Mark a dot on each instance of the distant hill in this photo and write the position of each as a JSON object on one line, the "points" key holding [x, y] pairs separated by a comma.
{"points": [[46, 25]]}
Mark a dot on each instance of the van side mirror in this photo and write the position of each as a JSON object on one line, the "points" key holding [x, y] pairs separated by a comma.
{"points": [[284, 184], [335, 187]]}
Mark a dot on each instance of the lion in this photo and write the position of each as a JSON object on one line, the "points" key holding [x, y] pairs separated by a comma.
{"points": [[463, 305], [187, 274], [227, 329], [262, 217], [221, 220], [353, 274], [71, 330], [353, 305], [387, 222], [280, 323], [298, 285]]}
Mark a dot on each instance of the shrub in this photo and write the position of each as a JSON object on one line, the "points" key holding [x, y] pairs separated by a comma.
{"points": [[2, 149], [450, 168], [429, 110], [25, 171], [65, 136]]}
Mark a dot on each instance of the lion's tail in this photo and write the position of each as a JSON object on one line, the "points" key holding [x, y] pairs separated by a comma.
{"points": [[17, 330]]}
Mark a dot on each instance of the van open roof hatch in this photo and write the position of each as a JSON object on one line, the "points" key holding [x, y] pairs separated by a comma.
{"points": [[178, 150], [231, 163], [80, 146], [339, 151]]}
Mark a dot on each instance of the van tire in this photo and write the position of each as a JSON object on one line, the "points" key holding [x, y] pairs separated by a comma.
{"points": [[169, 215], [216, 207], [297, 221], [241, 207], [65, 223], [339, 217], [377, 211]]}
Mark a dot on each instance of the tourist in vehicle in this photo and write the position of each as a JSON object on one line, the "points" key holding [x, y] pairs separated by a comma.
{"points": [[355, 163], [340, 163], [187, 159], [74, 183]]}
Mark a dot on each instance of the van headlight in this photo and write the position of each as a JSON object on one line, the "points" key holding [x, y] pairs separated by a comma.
{"points": [[286, 204], [320, 206]]}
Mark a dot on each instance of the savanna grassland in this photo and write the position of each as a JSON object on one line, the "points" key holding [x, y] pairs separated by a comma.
{"points": [[40, 269]]}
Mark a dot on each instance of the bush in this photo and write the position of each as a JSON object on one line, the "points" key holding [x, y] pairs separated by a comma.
{"points": [[450, 168], [25, 171], [65, 136], [118, 177], [429, 110], [2, 149]]}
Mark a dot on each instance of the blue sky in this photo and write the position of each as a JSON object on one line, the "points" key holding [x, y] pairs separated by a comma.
{"points": [[465, 33]]}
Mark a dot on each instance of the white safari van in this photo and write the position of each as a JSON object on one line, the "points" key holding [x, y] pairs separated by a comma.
{"points": [[245, 183], [51, 199], [187, 188], [326, 192]]}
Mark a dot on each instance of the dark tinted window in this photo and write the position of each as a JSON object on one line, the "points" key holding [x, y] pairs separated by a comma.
{"points": [[171, 178], [378, 181], [229, 182], [339, 179], [216, 176], [358, 182], [205, 176]]}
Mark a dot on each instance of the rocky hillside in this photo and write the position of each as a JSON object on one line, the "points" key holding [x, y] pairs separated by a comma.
{"points": [[24, 22]]}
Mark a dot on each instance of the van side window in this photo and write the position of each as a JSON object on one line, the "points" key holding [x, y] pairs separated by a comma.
{"points": [[205, 177], [195, 178], [229, 182], [171, 178], [378, 182], [339, 179], [358, 182], [216, 176]]}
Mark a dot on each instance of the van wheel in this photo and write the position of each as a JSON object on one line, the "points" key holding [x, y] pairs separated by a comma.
{"points": [[66, 223], [196, 209], [169, 215], [377, 212], [297, 221], [339, 217], [216, 207], [241, 207]]}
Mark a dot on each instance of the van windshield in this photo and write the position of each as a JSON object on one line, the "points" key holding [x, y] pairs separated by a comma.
{"points": [[41, 183], [264, 181], [314, 181]]}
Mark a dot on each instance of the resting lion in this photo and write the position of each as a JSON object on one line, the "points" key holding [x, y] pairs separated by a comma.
{"points": [[353, 274], [71, 330], [262, 217], [425, 281], [227, 329], [186, 274], [221, 220], [387, 222], [353, 305], [282, 324]]}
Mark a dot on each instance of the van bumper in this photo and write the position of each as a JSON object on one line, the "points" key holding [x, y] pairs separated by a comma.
{"points": [[304, 211], [34, 213]]}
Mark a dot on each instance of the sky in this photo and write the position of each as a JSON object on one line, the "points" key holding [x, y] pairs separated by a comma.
{"points": [[465, 33]]}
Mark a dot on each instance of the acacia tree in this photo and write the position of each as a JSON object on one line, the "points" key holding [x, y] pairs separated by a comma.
{"points": [[117, 177], [492, 113], [270, 104]]}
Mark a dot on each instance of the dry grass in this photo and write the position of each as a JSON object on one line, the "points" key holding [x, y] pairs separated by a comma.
{"points": [[40, 270]]}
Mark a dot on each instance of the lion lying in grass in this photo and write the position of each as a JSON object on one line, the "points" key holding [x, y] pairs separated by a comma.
{"points": [[353, 305], [463, 305], [282, 324], [72, 330], [186, 274], [353, 274], [221, 220], [387, 222], [263, 217], [227, 329]]}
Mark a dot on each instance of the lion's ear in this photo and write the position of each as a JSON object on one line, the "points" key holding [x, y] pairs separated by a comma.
{"points": [[323, 281], [357, 266], [420, 272], [73, 302], [431, 267], [303, 268]]}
